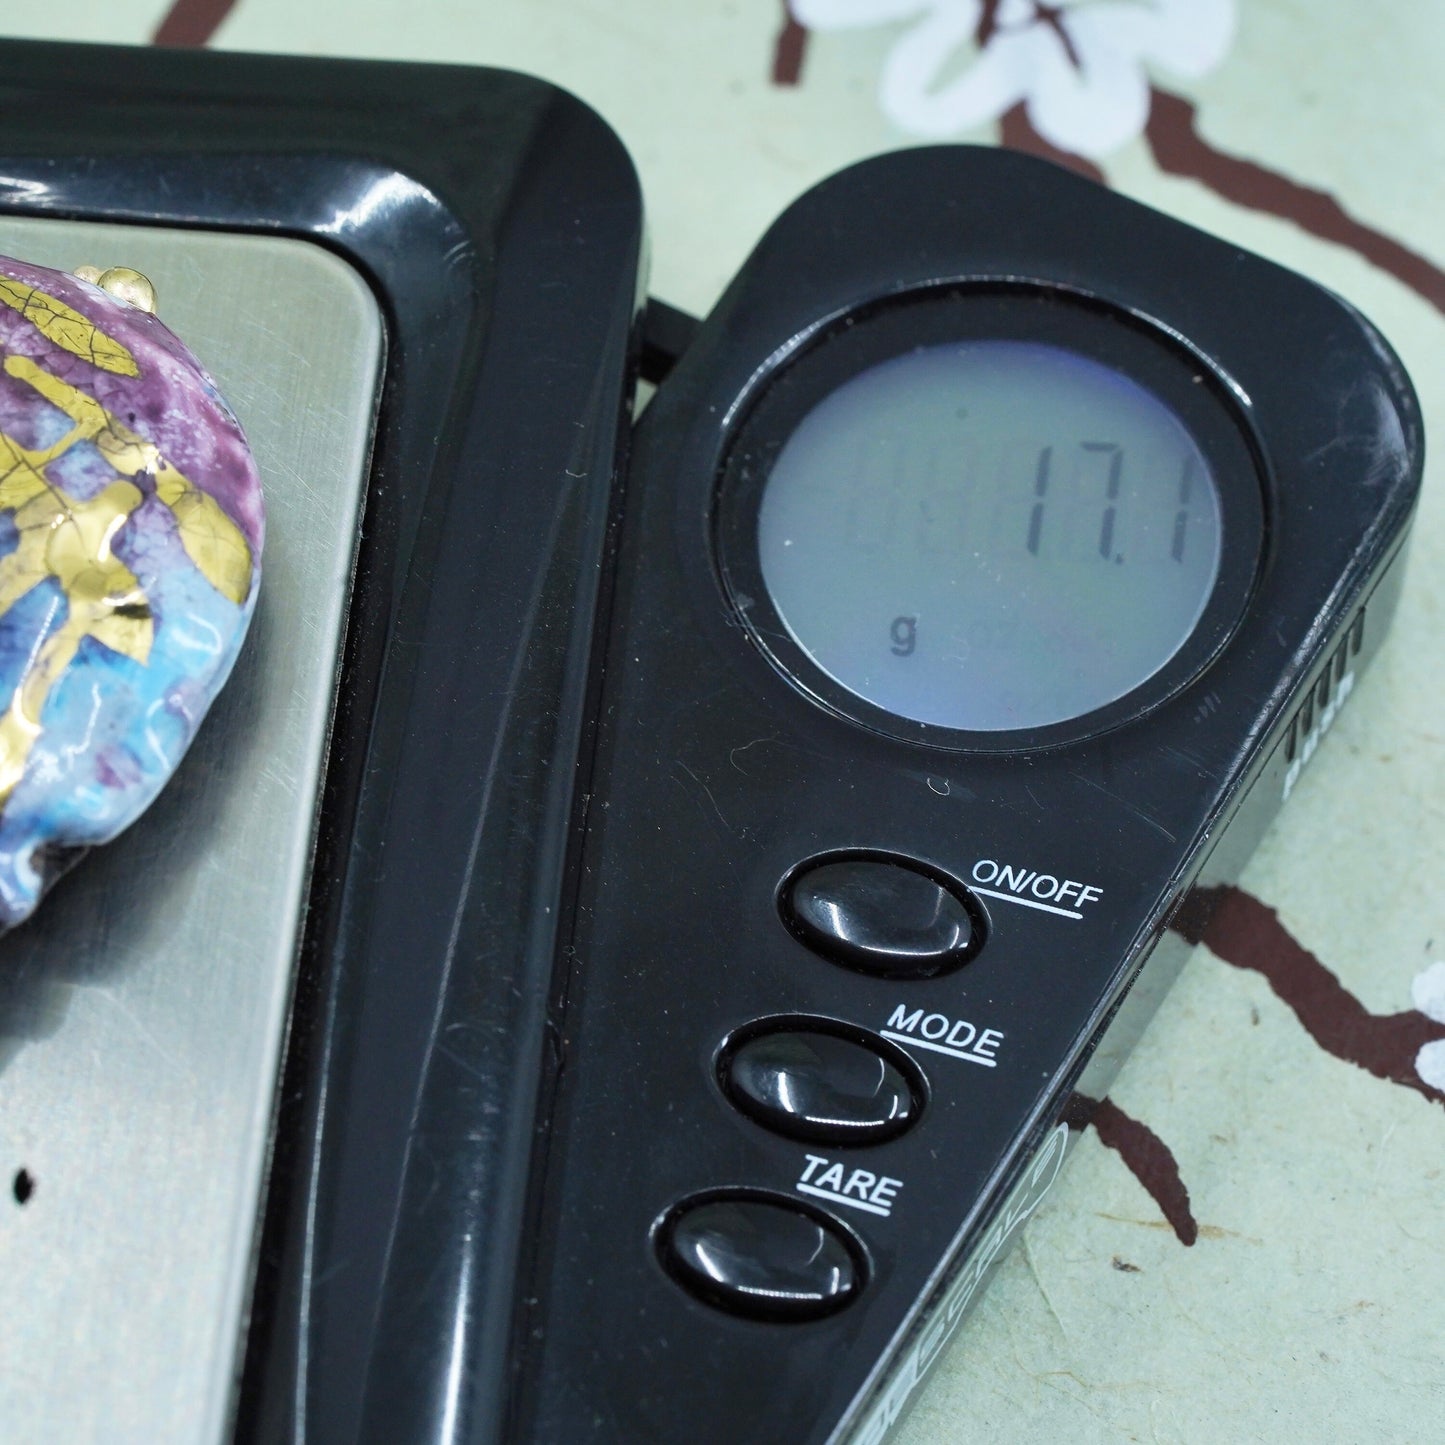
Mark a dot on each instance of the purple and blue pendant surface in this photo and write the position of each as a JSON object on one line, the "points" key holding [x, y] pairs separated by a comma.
{"points": [[130, 543]]}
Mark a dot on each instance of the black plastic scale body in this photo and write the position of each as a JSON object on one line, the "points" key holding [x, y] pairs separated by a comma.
{"points": [[677, 1296]]}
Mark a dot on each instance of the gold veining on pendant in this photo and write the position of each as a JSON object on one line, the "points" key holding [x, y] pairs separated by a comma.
{"points": [[211, 539], [70, 541], [67, 328]]}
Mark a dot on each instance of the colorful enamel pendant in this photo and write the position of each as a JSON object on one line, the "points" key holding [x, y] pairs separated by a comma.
{"points": [[130, 544]]}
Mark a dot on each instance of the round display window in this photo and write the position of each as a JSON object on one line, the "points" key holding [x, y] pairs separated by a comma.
{"points": [[992, 534]]}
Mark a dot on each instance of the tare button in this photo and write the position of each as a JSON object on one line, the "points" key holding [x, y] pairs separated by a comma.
{"points": [[761, 1255]]}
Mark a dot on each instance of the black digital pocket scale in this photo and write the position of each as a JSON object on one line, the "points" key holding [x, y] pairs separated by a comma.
{"points": [[741, 842]]}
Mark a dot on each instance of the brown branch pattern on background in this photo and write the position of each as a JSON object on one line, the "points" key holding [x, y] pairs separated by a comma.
{"points": [[1172, 134], [1148, 1158], [1179, 150], [191, 22], [789, 48], [1240, 930]]}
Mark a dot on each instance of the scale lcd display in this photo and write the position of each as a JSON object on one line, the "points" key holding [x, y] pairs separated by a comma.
{"points": [[990, 535]]}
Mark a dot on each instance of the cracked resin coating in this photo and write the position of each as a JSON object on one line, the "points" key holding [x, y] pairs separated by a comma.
{"points": [[130, 545]]}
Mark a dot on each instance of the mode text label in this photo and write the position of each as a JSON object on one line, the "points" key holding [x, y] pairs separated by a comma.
{"points": [[958, 1038]]}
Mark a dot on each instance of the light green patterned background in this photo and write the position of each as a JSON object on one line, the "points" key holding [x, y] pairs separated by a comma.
{"points": [[1312, 1305]]}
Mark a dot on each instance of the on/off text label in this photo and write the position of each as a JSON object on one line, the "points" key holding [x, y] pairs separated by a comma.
{"points": [[1033, 888]]}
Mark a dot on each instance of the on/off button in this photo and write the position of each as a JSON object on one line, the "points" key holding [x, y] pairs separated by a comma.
{"points": [[882, 914]]}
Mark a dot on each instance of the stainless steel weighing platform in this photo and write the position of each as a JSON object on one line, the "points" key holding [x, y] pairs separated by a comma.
{"points": [[144, 1008]]}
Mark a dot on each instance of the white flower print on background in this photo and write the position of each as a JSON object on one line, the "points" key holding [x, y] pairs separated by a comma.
{"points": [[1081, 67], [1427, 993]]}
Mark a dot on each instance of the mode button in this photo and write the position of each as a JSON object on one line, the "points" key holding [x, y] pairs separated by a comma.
{"points": [[816, 1080]]}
